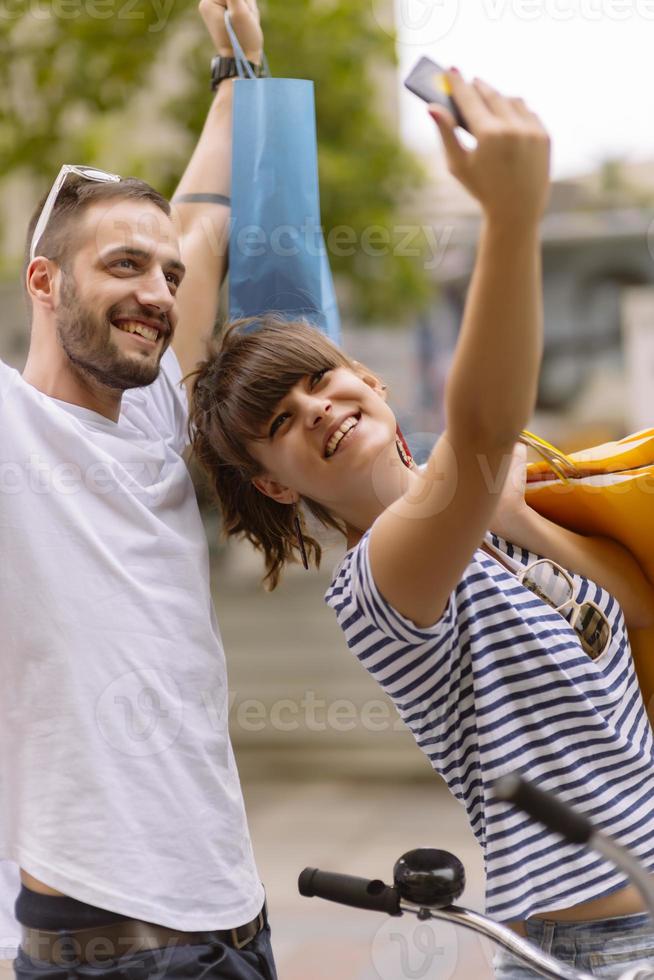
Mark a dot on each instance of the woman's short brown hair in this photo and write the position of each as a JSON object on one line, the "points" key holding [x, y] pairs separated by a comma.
{"points": [[235, 392]]}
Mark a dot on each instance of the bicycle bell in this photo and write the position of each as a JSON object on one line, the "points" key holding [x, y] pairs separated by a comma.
{"points": [[429, 877]]}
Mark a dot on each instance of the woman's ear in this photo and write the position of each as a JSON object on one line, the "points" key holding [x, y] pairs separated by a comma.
{"points": [[371, 380], [276, 491]]}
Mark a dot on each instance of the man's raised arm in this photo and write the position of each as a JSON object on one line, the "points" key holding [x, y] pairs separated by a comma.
{"points": [[201, 203]]}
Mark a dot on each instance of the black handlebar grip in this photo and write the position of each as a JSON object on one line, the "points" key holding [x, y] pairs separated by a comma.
{"points": [[544, 807], [359, 893]]}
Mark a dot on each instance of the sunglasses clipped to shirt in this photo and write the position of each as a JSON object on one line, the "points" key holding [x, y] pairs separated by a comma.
{"points": [[553, 585], [87, 173]]}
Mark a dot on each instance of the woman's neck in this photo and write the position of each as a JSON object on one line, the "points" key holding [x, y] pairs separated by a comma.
{"points": [[387, 485], [352, 537]]}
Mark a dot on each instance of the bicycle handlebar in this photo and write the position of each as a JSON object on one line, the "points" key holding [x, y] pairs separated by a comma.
{"points": [[557, 816], [544, 807], [378, 897], [574, 827], [359, 893]]}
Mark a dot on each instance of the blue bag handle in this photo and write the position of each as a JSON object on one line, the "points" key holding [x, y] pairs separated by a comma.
{"points": [[242, 64]]}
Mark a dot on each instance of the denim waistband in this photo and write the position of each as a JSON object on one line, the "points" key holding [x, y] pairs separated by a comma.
{"points": [[540, 929], [599, 947]]}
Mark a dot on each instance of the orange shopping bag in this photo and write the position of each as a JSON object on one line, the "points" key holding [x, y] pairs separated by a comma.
{"points": [[611, 494]]}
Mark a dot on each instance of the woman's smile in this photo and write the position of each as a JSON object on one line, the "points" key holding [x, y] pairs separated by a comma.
{"points": [[342, 434]]}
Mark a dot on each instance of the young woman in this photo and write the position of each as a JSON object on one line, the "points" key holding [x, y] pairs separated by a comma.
{"points": [[497, 659]]}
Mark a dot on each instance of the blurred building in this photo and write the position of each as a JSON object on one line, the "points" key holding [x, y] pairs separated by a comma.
{"points": [[598, 244]]}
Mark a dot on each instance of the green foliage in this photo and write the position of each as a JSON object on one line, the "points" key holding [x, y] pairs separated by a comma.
{"points": [[64, 60], [72, 71]]}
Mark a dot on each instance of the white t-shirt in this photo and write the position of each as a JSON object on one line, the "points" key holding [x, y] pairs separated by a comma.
{"points": [[118, 785]]}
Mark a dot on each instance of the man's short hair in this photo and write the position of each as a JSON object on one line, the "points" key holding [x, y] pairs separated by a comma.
{"points": [[58, 241]]}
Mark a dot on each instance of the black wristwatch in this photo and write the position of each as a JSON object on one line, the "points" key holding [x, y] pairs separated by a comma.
{"points": [[222, 68]]}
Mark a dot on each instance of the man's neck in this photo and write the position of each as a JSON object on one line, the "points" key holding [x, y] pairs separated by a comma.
{"points": [[68, 385]]}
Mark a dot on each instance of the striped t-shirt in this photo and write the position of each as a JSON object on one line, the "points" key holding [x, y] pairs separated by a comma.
{"points": [[501, 684]]}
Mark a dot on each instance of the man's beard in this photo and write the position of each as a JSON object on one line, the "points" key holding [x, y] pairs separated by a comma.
{"points": [[86, 340]]}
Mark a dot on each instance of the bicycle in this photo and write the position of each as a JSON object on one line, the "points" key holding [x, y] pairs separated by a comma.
{"points": [[428, 881]]}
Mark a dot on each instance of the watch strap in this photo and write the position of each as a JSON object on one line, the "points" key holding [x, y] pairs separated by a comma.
{"points": [[223, 67]]}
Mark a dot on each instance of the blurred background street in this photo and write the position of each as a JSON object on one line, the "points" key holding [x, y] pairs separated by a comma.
{"points": [[361, 827], [333, 780]]}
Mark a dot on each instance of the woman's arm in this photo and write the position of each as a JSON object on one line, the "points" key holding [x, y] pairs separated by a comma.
{"points": [[603, 560], [600, 559], [421, 544]]}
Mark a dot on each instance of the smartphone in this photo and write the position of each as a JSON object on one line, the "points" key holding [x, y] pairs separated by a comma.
{"points": [[430, 82]]}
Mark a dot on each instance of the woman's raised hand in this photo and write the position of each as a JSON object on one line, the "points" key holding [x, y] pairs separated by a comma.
{"points": [[508, 170]]}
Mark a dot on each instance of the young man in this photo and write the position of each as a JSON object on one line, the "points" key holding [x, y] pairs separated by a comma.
{"points": [[120, 799]]}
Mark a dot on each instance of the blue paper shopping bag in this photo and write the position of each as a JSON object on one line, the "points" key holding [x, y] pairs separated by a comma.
{"points": [[277, 256]]}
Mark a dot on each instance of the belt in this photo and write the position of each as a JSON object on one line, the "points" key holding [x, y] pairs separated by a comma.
{"points": [[72, 947]]}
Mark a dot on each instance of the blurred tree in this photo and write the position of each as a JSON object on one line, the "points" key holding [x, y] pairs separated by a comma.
{"points": [[75, 75]]}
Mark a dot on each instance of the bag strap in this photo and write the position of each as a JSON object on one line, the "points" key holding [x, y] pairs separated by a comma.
{"points": [[243, 66], [510, 564], [557, 461]]}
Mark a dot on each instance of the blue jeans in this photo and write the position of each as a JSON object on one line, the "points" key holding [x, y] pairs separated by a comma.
{"points": [[604, 948], [215, 961]]}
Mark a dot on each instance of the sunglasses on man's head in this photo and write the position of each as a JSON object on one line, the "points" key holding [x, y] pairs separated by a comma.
{"points": [[87, 173]]}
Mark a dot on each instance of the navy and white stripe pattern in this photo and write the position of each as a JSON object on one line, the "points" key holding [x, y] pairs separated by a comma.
{"points": [[499, 684]]}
